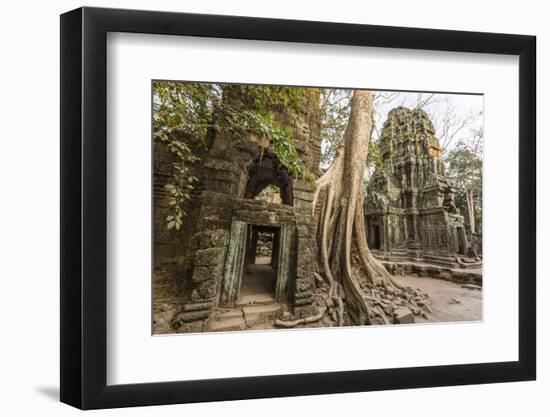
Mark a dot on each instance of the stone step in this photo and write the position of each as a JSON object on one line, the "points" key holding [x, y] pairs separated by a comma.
{"points": [[260, 312], [256, 299], [226, 324], [230, 314]]}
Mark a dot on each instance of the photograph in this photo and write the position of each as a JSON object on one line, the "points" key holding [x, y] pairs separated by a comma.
{"points": [[267, 209], [289, 207]]}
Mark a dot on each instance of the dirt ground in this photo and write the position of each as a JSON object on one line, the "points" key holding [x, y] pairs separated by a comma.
{"points": [[450, 301]]}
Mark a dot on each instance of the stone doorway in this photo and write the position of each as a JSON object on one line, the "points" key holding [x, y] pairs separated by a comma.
{"points": [[256, 273], [258, 283]]}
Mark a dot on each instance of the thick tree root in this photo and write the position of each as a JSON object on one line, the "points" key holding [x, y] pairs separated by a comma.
{"points": [[329, 304], [305, 320]]}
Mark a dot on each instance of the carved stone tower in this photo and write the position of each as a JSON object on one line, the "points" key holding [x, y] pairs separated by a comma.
{"points": [[410, 209]]}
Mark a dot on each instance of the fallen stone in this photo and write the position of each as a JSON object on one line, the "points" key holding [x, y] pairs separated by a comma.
{"points": [[455, 301], [403, 316]]}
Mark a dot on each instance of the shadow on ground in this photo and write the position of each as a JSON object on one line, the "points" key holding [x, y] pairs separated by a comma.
{"points": [[50, 392]]}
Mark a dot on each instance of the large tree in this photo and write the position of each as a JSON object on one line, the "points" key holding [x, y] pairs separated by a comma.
{"points": [[371, 294]]}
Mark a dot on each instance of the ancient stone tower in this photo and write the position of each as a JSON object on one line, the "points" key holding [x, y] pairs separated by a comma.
{"points": [[206, 261], [410, 209]]}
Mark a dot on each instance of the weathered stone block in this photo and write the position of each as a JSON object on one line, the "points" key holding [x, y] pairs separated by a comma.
{"points": [[215, 238], [306, 231], [228, 187], [198, 306], [303, 285], [281, 208], [192, 327], [194, 242], [304, 205], [299, 185], [302, 301], [305, 219], [403, 315], [189, 316], [215, 222], [303, 195], [208, 239], [304, 263], [249, 204], [211, 256], [213, 199], [207, 289], [203, 273], [226, 324], [222, 165], [223, 213]]}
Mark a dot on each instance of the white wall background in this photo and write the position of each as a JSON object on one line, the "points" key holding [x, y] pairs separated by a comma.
{"points": [[29, 225]]}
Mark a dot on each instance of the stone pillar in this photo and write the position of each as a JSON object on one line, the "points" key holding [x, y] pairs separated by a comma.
{"points": [[306, 244], [275, 249], [253, 247], [234, 263], [220, 181]]}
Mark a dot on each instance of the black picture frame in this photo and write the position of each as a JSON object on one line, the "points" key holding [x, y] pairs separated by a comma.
{"points": [[84, 207]]}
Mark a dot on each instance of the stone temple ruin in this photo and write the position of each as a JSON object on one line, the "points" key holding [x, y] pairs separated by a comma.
{"points": [[235, 250], [212, 261], [410, 209]]}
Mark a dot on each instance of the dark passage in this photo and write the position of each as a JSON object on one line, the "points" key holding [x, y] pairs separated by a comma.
{"points": [[376, 237], [260, 268]]}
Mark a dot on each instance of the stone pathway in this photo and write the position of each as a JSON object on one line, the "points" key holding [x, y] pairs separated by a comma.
{"points": [[258, 283]]}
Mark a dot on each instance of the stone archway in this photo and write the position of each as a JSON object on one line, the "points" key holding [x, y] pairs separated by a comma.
{"points": [[267, 170]]}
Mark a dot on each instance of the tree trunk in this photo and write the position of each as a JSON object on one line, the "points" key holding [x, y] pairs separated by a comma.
{"points": [[471, 212], [369, 291]]}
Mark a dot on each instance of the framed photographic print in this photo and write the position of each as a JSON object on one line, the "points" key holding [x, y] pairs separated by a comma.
{"points": [[257, 207]]}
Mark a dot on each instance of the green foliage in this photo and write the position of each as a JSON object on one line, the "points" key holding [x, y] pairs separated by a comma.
{"points": [[263, 99], [335, 111], [374, 157], [185, 108], [240, 123], [183, 114]]}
